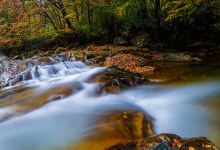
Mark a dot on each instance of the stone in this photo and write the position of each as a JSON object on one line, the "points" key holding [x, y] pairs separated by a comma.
{"points": [[114, 127], [14, 71], [2, 58], [114, 80], [167, 142], [180, 57]]}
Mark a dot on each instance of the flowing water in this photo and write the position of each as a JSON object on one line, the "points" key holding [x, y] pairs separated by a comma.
{"points": [[60, 107]]}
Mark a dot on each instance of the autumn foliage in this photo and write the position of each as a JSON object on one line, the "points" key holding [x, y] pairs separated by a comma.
{"points": [[25, 24]]}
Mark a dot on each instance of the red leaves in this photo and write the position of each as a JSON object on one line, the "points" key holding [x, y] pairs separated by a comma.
{"points": [[127, 58], [130, 63], [176, 143]]}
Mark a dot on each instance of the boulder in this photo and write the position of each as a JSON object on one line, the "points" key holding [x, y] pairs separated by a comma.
{"points": [[114, 80], [167, 142], [21, 107], [180, 57], [114, 127]]}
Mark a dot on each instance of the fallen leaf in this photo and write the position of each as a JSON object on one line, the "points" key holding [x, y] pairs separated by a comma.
{"points": [[191, 148]]}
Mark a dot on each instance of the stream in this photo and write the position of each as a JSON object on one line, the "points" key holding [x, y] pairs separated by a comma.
{"points": [[61, 107]]}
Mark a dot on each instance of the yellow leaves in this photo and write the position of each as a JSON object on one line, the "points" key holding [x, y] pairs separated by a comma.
{"points": [[130, 63], [143, 70], [208, 146], [191, 148], [108, 62], [120, 10], [119, 56]]}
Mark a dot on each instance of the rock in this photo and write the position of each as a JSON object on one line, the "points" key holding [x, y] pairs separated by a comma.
{"points": [[114, 127], [141, 40], [113, 80], [21, 107], [196, 59], [167, 142], [120, 41], [2, 58], [45, 61], [138, 123], [60, 58], [14, 71], [180, 57]]}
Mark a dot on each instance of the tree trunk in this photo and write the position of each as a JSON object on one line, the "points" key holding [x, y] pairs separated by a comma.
{"points": [[88, 11], [63, 11], [76, 11], [157, 9], [51, 21]]}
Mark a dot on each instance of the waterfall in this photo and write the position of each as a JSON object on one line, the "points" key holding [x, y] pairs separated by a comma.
{"points": [[46, 72]]}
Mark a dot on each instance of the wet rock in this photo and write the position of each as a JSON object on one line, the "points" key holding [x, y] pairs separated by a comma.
{"points": [[116, 127], [141, 40], [60, 93], [5, 117], [167, 142], [135, 123], [2, 58], [55, 97], [22, 106], [120, 41], [113, 80], [14, 71], [43, 61]]}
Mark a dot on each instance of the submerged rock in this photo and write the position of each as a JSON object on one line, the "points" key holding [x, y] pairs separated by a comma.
{"points": [[23, 106], [167, 142], [116, 127]]}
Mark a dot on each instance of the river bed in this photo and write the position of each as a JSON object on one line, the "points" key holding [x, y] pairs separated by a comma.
{"points": [[60, 108]]}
